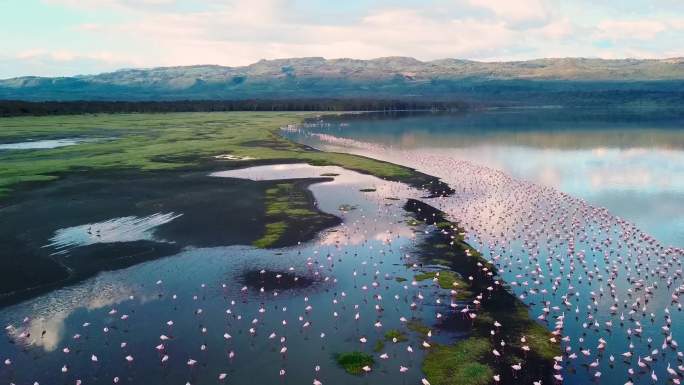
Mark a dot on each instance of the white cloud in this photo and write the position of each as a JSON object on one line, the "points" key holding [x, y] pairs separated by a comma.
{"points": [[630, 29], [239, 32], [518, 12], [245, 34], [100, 4], [67, 56], [558, 29], [677, 23], [41, 62]]}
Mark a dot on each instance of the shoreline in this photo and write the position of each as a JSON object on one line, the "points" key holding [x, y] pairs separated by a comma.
{"points": [[78, 193], [471, 361], [506, 308], [261, 145]]}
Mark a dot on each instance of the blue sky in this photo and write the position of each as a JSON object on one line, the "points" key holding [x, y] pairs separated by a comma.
{"points": [[68, 37]]}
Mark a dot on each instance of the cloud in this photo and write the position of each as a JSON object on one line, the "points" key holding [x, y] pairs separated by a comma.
{"points": [[244, 33], [630, 29], [40, 62], [120, 4], [64, 56], [558, 29], [239, 32], [517, 13]]}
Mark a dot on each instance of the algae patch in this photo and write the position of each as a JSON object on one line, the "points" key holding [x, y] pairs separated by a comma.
{"points": [[354, 362], [459, 364], [393, 334]]}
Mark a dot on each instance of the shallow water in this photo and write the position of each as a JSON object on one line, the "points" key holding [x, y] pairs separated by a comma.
{"points": [[124, 229], [630, 163], [202, 290], [45, 144], [604, 285]]}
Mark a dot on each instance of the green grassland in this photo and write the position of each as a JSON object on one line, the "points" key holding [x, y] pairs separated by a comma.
{"points": [[290, 208], [390, 335], [460, 363], [149, 142]]}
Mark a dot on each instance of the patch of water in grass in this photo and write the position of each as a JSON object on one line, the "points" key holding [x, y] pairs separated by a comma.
{"points": [[46, 143], [123, 229]]}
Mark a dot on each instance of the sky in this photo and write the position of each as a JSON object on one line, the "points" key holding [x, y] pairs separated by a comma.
{"points": [[70, 37]]}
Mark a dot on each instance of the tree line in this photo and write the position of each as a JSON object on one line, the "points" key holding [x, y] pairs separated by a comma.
{"points": [[25, 108]]}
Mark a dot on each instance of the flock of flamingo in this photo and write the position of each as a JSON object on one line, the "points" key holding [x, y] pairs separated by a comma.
{"points": [[176, 325], [609, 291]]}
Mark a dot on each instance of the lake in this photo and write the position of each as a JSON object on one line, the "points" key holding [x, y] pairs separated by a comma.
{"points": [[580, 212], [208, 311], [575, 209], [630, 163]]}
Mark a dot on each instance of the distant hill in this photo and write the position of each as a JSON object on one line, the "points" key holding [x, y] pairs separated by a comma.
{"points": [[568, 81]]}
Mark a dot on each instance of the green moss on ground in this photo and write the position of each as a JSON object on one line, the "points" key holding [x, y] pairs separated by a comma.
{"points": [[416, 326], [285, 200], [537, 336], [538, 339], [448, 280], [390, 335], [274, 232], [444, 225], [353, 362], [459, 364], [290, 211]]}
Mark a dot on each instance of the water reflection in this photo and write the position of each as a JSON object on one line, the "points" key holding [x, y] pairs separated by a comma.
{"points": [[565, 129], [196, 306], [604, 286], [45, 325], [124, 229], [618, 160]]}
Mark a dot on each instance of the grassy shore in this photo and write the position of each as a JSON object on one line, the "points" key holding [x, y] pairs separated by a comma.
{"points": [[149, 142], [142, 164], [159, 162], [291, 214]]}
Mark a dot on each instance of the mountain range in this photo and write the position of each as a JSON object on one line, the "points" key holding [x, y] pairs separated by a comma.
{"points": [[541, 81]]}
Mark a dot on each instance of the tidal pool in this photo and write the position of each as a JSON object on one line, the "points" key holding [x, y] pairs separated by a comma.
{"points": [[193, 318]]}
